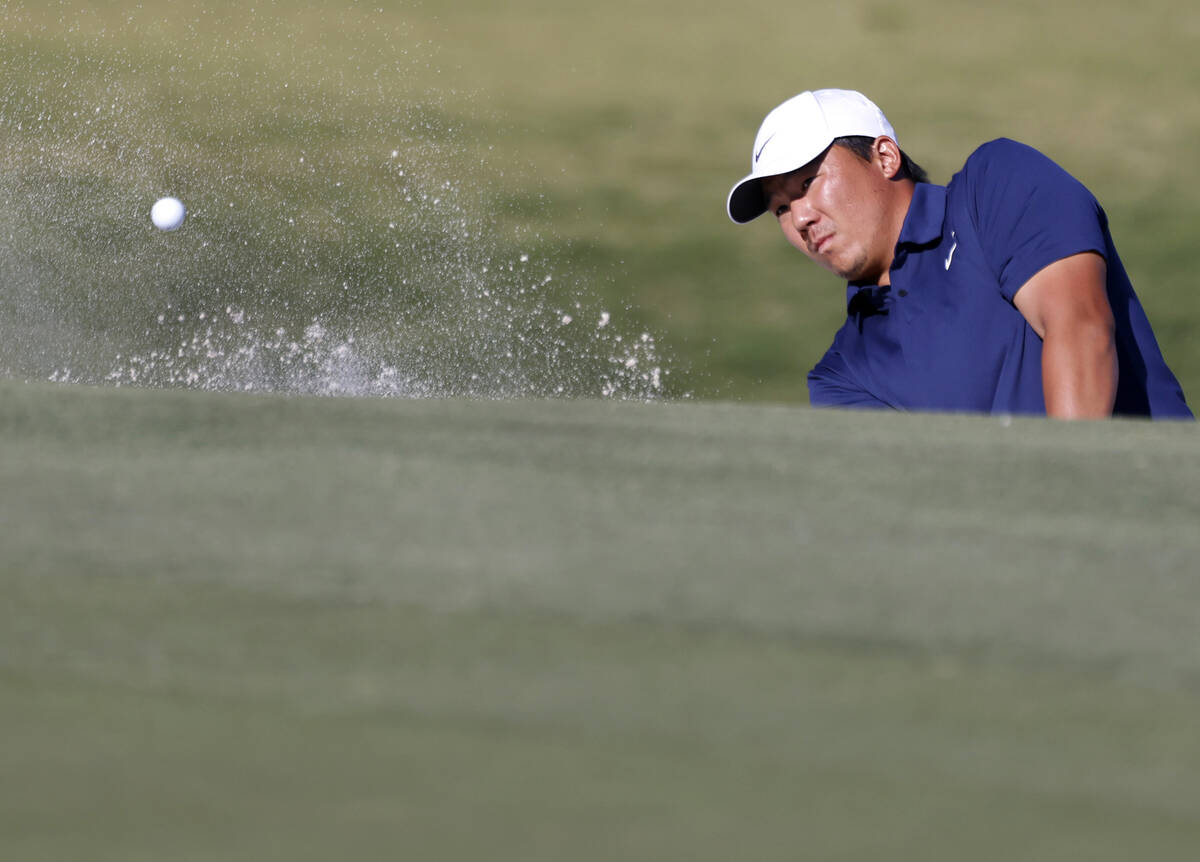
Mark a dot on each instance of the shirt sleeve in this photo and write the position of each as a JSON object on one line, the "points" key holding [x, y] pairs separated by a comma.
{"points": [[1029, 212], [829, 386]]}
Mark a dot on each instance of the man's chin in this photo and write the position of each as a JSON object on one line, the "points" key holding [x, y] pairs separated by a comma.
{"points": [[846, 273], [855, 273]]}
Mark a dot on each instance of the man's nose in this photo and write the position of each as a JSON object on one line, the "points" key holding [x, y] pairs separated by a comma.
{"points": [[801, 214]]}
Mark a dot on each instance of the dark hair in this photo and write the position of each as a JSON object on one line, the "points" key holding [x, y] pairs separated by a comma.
{"points": [[862, 146]]}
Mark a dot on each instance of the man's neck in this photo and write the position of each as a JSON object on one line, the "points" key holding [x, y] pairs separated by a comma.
{"points": [[900, 200]]}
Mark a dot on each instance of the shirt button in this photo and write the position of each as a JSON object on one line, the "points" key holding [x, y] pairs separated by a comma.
{"points": [[903, 292]]}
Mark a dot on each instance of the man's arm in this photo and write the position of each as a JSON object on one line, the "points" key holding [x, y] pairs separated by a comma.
{"points": [[1067, 305], [830, 386]]}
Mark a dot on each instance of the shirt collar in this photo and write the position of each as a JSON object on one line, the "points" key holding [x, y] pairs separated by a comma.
{"points": [[922, 227], [926, 216]]}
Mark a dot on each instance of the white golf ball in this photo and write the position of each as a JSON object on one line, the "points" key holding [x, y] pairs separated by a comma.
{"points": [[167, 213]]}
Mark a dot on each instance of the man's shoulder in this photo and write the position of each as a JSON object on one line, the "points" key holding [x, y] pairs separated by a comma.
{"points": [[1008, 169], [1005, 154]]}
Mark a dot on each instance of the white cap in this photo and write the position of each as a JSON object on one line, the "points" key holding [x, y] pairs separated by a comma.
{"points": [[798, 131]]}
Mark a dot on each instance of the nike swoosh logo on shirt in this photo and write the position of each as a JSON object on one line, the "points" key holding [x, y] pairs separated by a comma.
{"points": [[950, 256]]}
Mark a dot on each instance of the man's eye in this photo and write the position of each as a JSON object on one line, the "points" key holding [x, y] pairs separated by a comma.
{"points": [[780, 210]]}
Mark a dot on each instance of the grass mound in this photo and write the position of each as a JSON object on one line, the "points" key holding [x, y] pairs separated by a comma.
{"points": [[243, 626]]}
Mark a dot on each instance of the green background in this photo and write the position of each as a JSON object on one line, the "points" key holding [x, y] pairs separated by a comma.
{"points": [[598, 140], [260, 626]]}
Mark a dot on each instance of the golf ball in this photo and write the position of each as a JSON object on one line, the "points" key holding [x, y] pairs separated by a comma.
{"points": [[167, 213]]}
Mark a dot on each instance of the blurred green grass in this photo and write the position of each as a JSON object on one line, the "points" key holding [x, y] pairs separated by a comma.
{"points": [[601, 139], [262, 627], [246, 626]]}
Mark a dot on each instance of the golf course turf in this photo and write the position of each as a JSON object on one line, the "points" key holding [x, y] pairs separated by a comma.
{"points": [[252, 626]]}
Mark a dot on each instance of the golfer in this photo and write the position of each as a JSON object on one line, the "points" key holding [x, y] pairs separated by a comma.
{"points": [[1001, 292]]}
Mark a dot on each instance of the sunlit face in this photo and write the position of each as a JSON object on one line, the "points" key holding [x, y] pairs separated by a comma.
{"points": [[841, 211]]}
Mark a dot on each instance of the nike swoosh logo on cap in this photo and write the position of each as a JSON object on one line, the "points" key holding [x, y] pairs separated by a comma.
{"points": [[758, 155]]}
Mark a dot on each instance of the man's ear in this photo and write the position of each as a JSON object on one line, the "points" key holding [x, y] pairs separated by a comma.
{"points": [[887, 155]]}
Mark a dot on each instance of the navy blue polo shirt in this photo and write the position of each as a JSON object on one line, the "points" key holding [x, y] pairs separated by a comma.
{"points": [[945, 334]]}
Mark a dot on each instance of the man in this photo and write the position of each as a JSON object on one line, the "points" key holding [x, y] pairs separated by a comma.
{"points": [[1001, 292]]}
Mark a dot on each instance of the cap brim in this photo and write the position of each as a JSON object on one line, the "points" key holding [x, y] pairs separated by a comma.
{"points": [[746, 201]]}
